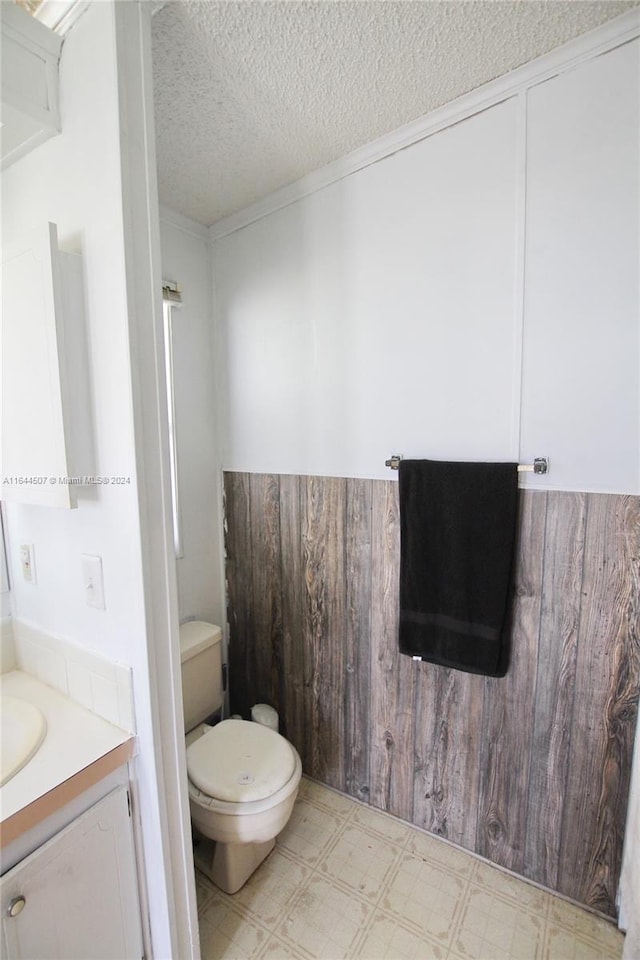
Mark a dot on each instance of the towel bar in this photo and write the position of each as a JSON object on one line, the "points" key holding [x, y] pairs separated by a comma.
{"points": [[540, 464]]}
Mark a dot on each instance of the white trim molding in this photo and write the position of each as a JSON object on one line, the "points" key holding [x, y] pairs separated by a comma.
{"points": [[180, 222], [61, 15], [612, 34], [173, 910]]}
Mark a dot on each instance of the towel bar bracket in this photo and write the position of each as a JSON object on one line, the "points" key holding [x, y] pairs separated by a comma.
{"points": [[540, 465]]}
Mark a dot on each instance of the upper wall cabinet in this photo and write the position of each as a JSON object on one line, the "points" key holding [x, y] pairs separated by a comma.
{"points": [[30, 54], [580, 371], [46, 420]]}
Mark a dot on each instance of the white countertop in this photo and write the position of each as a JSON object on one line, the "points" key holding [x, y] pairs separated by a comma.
{"points": [[75, 740]]}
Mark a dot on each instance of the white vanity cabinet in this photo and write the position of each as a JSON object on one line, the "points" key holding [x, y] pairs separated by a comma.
{"points": [[46, 410], [76, 896]]}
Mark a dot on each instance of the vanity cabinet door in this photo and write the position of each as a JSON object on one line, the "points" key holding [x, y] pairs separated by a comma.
{"points": [[79, 890]]}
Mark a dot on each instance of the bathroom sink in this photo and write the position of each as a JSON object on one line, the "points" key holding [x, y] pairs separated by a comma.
{"points": [[23, 730]]}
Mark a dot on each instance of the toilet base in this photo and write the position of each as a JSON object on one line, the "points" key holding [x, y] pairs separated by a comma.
{"points": [[228, 865]]}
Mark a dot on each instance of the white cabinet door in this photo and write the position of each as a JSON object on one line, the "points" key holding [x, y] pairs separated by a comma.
{"points": [[580, 371], [80, 892]]}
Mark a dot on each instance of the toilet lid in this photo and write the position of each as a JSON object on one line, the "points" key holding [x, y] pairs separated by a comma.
{"points": [[239, 761]]}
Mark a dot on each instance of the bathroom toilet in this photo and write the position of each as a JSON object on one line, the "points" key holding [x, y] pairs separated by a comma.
{"points": [[243, 777]]}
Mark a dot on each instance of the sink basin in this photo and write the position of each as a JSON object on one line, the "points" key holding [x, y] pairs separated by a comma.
{"points": [[23, 730]]}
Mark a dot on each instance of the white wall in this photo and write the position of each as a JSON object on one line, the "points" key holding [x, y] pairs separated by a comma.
{"points": [[186, 259], [580, 378], [377, 315], [473, 296], [75, 181], [385, 313]]}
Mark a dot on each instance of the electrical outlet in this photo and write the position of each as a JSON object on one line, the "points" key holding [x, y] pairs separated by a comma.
{"points": [[92, 581], [28, 562]]}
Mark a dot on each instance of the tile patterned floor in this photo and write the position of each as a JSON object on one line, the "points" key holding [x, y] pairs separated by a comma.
{"points": [[348, 882]]}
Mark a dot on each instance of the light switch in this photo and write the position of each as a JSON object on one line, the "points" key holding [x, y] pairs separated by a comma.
{"points": [[28, 562], [92, 581]]}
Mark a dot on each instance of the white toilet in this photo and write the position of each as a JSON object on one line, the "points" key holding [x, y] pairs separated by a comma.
{"points": [[243, 777]]}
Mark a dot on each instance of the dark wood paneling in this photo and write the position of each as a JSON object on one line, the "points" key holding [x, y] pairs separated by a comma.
{"points": [[357, 636], [239, 577], [292, 682], [530, 770], [323, 622], [392, 715], [505, 750], [266, 602], [558, 633], [448, 738], [605, 703]]}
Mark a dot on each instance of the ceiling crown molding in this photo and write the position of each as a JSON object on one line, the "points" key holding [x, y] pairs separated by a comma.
{"points": [[610, 35], [180, 222]]}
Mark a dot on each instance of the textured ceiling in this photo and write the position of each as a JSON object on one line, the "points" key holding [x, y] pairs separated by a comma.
{"points": [[251, 96]]}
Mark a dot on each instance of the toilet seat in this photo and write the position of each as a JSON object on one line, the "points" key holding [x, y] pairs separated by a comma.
{"points": [[240, 762]]}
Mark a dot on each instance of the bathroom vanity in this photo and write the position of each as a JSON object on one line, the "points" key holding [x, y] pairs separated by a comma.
{"points": [[69, 885]]}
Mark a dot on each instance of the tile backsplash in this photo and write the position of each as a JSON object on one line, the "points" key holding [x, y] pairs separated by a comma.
{"points": [[100, 685]]}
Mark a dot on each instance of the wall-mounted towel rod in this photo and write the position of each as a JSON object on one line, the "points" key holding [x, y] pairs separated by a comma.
{"points": [[539, 465]]}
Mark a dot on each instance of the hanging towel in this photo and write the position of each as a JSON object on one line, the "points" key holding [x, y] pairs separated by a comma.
{"points": [[457, 536]]}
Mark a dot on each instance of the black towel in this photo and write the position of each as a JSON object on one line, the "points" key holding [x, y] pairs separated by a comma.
{"points": [[457, 536]]}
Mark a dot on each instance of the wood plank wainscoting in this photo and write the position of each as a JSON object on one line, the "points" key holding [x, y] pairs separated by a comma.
{"points": [[530, 771]]}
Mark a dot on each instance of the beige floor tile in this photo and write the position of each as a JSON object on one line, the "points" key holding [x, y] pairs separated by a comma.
{"points": [[213, 943], [268, 893], [436, 851], [347, 881], [361, 861], [325, 921], [525, 947], [511, 888], [584, 924], [310, 832], [275, 949], [204, 891], [216, 907], [381, 824], [425, 898], [324, 797], [491, 926], [233, 937], [387, 938], [561, 944]]}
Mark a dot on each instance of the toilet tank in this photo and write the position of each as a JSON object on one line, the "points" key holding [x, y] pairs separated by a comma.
{"points": [[201, 659]]}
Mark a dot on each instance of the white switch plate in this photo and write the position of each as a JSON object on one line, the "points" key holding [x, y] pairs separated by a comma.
{"points": [[92, 581], [28, 562]]}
